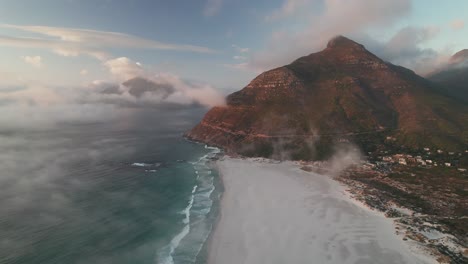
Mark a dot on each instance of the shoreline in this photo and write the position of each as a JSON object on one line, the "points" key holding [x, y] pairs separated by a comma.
{"points": [[226, 233], [215, 213]]}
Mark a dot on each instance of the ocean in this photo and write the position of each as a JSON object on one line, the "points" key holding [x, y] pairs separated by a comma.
{"points": [[129, 190]]}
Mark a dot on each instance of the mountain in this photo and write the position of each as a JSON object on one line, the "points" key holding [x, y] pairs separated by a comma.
{"points": [[459, 57], [138, 86], [453, 79], [342, 94]]}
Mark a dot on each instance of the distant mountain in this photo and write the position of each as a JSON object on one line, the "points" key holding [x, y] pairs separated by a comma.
{"points": [[460, 57], [453, 79], [138, 86], [341, 94]]}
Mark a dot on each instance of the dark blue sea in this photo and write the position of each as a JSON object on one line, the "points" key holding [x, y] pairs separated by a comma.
{"points": [[128, 190]]}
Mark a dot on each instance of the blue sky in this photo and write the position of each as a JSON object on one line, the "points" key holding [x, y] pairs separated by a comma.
{"points": [[223, 43]]}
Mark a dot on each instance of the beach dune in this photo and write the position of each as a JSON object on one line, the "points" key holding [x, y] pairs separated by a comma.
{"points": [[277, 213]]}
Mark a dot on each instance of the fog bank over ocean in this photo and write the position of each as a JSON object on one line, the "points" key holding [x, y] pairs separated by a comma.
{"points": [[102, 188]]}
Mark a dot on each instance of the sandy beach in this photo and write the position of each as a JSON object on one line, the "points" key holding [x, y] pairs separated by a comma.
{"points": [[277, 213]]}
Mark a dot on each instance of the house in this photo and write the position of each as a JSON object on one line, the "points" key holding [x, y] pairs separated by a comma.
{"points": [[461, 169], [448, 164], [402, 161], [387, 158], [427, 149], [368, 166], [440, 151], [429, 161]]}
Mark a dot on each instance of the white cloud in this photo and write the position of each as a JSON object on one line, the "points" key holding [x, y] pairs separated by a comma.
{"points": [[212, 7], [124, 68], [240, 50], [84, 72], [288, 8], [184, 92], [242, 53], [189, 92], [237, 57], [457, 24], [35, 61], [71, 42], [406, 48], [337, 18], [66, 49]]}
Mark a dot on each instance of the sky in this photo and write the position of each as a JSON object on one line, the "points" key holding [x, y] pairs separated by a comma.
{"points": [[79, 52]]}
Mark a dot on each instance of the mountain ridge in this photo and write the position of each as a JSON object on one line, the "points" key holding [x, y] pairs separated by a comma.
{"points": [[453, 78]]}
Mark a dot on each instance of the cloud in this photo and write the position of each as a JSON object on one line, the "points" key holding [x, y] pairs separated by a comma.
{"points": [[288, 8], [212, 7], [28, 104], [66, 49], [123, 68], [406, 48], [148, 86], [337, 18], [35, 61], [242, 53], [72, 42], [457, 24], [237, 57], [84, 72], [240, 50]]}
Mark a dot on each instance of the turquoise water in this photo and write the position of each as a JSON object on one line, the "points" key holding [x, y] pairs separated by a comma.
{"points": [[126, 191]]}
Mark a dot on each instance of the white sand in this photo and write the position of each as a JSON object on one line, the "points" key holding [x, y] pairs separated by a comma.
{"points": [[276, 213]]}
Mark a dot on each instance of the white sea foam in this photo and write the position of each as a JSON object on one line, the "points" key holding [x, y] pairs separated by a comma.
{"points": [[139, 164], [200, 205], [142, 164], [168, 259], [169, 249]]}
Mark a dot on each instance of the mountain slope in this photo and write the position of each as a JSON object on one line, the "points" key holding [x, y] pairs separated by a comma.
{"points": [[453, 79], [341, 94]]}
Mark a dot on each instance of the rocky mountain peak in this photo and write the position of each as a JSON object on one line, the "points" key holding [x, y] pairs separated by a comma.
{"points": [[340, 42], [341, 94]]}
